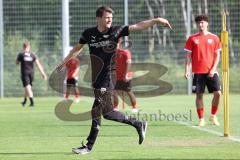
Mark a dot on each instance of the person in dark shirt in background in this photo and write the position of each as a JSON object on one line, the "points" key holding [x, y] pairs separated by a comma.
{"points": [[27, 60]]}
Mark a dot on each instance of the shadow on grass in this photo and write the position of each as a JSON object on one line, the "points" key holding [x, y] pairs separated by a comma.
{"points": [[45, 153], [34, 153], [166, 159], [69, 153]]}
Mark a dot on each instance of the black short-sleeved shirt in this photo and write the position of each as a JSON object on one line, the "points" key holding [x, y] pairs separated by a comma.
{"points": [[102, 47], [27, 62]]}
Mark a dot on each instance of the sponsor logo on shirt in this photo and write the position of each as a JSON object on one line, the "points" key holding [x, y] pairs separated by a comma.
{"points": [[105, 36], [27, 58], [93, 38], [196, 41], [210, 41], [99, 44]]}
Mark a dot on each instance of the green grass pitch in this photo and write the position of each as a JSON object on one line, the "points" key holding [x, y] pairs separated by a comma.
{"points": [[37, 134]]}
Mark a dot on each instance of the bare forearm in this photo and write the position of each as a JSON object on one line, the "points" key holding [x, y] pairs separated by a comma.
{"points": [[40, 68], [128, 67], [188, 63], [42, 71], [149, 23], [75, 74], [127, 75], [73, 53], [144, 24], [187, 67], [216, 61]]}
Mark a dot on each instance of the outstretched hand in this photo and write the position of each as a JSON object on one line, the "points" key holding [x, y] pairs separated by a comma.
{"points": [[164, 22], [187, 75], [44, 77], [211, 73]]}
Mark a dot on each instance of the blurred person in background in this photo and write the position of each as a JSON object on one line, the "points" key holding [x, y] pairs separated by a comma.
{"points": [[27, 60], [124, 76], [72, 67]]}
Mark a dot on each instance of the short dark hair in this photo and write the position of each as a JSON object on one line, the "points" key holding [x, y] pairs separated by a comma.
{"points": [[26, 44], [201, 18], [102, 9]]}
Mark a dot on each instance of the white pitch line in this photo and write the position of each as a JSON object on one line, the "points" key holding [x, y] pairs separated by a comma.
{"points": [[232, 138]]}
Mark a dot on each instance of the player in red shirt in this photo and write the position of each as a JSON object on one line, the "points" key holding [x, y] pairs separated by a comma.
{"points": [[203, 56], [124, 76], [72, 78]]}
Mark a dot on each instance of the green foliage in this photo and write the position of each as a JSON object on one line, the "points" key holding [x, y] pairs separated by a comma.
{"points": [[40, 22]]}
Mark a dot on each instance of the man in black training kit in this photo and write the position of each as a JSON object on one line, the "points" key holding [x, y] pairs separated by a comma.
{"points": [[27, 59], [102, 41]]}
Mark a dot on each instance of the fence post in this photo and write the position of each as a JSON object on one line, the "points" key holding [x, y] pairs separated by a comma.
{"points": [[1, 50], [65, 28], [126, 18], [225, 74], [189, 10]]}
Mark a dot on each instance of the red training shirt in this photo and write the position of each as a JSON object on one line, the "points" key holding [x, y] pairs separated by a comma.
{"points": [[122, 58], [203, 49], [72, 66]]}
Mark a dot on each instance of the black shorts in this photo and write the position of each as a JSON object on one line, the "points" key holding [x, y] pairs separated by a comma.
{"points": [[202, 80], [123, 85], [27, 79], [72, 82]]}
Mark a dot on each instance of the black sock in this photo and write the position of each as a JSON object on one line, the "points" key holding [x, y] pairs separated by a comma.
{"points": [[24, 100], [31, 101]]}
